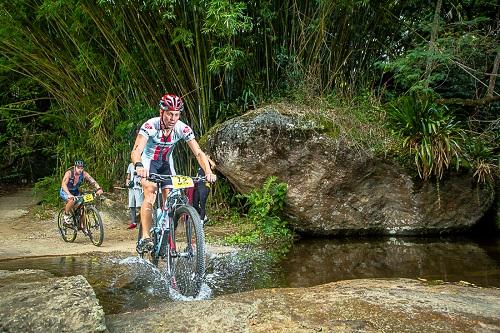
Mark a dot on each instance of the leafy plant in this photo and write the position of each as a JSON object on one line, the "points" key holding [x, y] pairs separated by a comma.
{"points": [[481, 156], [47, 188], [265, 206], [428, 132]]}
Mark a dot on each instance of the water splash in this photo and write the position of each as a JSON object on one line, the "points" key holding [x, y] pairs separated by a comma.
{"points": [[129, 260], [205, 293], [155, 281]]}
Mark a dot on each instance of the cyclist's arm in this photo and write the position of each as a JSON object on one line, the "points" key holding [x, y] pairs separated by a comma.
{"points": [[93, 182], [135, 155], [202, 160], [64, 183], [211, 162]]}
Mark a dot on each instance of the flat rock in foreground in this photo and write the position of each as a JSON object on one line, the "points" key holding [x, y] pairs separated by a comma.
{"points": [[365, 305], [34, 301]]}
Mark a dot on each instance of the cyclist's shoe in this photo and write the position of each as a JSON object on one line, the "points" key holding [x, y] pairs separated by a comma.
{"points": [[205, 221], [144, 245], [149, 245], [68, 220]]}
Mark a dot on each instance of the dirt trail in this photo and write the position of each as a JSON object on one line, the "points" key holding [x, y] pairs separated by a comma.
{"points": [[24, 234]]}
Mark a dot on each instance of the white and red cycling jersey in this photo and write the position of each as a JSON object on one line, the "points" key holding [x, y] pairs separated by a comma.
{"points": [[160, 143]]}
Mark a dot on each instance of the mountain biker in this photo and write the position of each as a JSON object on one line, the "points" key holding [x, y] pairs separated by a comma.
{"points": [[152, 153], [72, 180]]}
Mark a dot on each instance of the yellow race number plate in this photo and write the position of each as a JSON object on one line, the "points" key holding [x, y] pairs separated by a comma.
{"points": [[88, 198], [182, 182]]}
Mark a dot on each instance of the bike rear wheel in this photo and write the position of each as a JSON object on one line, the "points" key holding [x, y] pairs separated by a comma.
{"points": [[187, 260], [95, 228], [68, 233]]}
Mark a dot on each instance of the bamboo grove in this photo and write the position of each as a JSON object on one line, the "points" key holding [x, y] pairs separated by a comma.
{"points": [[78, 76]]}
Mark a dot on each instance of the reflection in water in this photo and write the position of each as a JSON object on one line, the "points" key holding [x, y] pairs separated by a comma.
{"points": [[123, 284], [313, 262], [242, 271]]}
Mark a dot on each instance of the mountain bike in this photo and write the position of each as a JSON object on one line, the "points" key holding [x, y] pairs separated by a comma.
{"points": [[177, 234], [83, 214]]}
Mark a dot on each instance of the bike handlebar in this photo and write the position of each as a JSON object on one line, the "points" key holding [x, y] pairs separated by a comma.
{"points": [[83, 197], [159, 178]]}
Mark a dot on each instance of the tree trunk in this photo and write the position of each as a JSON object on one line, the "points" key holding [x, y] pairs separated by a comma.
{"points": [[493, 76], [432, 42]]}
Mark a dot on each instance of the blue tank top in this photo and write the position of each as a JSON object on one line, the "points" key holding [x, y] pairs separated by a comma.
{"points": [[73, 188]]}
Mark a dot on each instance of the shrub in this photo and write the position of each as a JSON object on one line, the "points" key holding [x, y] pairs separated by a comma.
{"points": [[429, 134], [265, 206]]}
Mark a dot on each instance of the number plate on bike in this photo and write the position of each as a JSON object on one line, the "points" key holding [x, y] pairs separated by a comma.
{"points": [[182, 182], [88, 198]]}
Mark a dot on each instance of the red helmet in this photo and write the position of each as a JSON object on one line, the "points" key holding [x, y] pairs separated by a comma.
{"points": [[171, 102]]}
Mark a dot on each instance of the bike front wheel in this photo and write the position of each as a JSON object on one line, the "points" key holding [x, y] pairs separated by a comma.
{"points": [[68, 233], [95, 228], [187, 256]]}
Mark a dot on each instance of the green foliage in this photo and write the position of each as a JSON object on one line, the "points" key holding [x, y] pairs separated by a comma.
{"points": [[428, 132], [268, 201], [265, 207], [182, 36], [47, 188], [225, 18], [248, 237], [24, 147], [91, 71], [225, 58], [481, 155], [454, 65]]}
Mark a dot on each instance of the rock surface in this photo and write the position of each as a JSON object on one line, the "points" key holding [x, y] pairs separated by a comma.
{"points": [[336, 186], [34, 301], [374, 305]]}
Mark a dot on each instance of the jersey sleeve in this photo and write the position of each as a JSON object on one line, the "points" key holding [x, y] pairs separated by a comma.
{"points": [[147, 129], [186, 133]]}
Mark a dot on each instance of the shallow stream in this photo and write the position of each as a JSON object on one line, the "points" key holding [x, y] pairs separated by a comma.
{"points": [[128, 283]]}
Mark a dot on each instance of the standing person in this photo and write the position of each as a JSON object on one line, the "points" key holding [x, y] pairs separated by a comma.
{"points": [[200, 194], [152, 152], [72, 180], [135, 195]]}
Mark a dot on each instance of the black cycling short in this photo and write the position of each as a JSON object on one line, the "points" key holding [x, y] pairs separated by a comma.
{"points": [[160, 168]]}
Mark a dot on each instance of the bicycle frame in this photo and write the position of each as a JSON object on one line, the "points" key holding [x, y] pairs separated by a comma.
{"points": [[176, 223], [164, 224], [80, 208]]}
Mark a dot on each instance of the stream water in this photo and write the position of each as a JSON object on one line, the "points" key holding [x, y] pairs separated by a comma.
{"points": [[127, 283]]}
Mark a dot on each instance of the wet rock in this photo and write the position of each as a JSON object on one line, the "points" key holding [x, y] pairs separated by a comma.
{"points": [[23, 276], [336, 186], [37, 302], [364, 305]]}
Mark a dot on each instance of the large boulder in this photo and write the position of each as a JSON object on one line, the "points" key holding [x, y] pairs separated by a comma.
{"points": [[335, 185]]}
